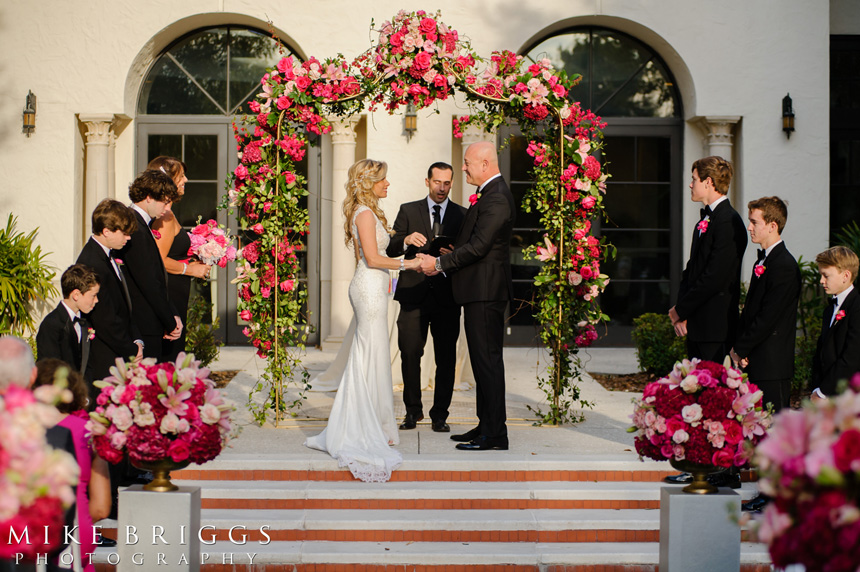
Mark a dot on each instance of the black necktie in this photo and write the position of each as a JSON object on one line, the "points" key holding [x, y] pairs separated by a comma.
{"points": [[761, 254], [437, 220], [122, 282]]}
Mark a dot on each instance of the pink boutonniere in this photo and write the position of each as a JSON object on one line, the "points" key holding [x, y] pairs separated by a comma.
{"points": [[839, 315], [91, 333], [703, 225], [156, 234], [119, 261], [759, 270], [474, 198]]}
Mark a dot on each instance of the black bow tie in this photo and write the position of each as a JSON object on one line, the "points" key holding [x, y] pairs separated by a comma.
{"points": [[761, 254], [77, 320], [704, 212], [833, 300]]}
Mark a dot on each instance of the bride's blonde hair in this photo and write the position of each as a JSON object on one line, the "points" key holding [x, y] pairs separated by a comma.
{"points": [[361, 178]]}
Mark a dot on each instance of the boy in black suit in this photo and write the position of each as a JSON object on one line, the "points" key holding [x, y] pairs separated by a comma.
{"points": [[707, 307], [152, 312], [765, 343], [64, 333], [427, 301], [837, 356], [112, 224]]}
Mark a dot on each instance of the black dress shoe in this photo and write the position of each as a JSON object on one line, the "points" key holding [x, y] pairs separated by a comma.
{"points": [[483, 443], [679, 479], [725, 479], [467, 436], [410, 421], [756, 504], [441, 427]]}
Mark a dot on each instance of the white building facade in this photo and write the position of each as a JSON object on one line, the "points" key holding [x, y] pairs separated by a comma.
{"points": [[119, 82]]}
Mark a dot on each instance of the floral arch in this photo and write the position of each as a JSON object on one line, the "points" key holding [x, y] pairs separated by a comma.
{"points": [[418, 60]]}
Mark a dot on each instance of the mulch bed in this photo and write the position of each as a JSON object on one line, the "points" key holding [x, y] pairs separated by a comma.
{"points": [[222, 378]]}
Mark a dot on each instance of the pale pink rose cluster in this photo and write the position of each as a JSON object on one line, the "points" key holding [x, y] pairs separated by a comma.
{"points": [[33, 475], [211, 244]]}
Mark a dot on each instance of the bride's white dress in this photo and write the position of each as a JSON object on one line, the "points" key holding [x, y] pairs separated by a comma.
{"points": [[361, 423]]}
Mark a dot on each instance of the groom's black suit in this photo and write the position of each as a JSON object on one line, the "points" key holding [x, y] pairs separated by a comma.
{"points": [[152, 312], [768, 326], [711, 284], [426, 301], [480, 268], [110, 318]]}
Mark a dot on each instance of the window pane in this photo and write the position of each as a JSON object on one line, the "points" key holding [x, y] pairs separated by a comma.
{"points": [[569, 52], [199, 200], [621, 157], [649, 94], [654, 159], [616, 60], [169, 145], [201, 157], [168, 90], [624, 301], [642, 255], [631, 205], [250, 54], [524, 219], [204, 57]]}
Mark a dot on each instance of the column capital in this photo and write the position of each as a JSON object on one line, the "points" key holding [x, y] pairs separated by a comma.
{"points": [[343, 129], [102, 127], [719, 128]]}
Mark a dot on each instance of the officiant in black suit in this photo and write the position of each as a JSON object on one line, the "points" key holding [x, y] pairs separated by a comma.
{"points": [[427, 226], [113, 223], [768, 325], [480, 270], [152, 312]]}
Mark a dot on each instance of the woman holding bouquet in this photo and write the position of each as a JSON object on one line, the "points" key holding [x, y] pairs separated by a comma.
{"points": [[173, 243]]}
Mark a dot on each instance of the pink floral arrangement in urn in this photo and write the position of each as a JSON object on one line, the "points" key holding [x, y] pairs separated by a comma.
{"points": [[156, 411], [210, 243], [35, 479], [809, 464], [702, 412]]}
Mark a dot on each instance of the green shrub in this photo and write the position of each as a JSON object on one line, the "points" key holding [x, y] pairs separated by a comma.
{"points": [[200, 338], [657, 346], [25, 279]]}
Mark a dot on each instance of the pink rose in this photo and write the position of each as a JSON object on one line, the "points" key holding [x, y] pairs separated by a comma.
{"points": [[759, 270], [422, 61], [303, 82], [846, 451], [179, 451], [258, 228], [723, 458], [427, 25], [284, 102], [586, 272], [289, 177], [473, 198], [588, 202], [245, 315], [674, 424]]}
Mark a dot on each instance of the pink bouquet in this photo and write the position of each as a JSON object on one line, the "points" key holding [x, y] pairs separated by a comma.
{"points": [[210, 243], [701, 412], [810, 465], [160, 410], [35, 479]]}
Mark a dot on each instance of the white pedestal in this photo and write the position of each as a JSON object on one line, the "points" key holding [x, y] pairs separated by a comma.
{"points": [[699, 532], [158, 529]]}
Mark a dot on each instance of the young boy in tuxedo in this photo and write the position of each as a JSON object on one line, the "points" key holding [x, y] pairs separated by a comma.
{"points": [[765, 343], [64, 333], [837, 356]]}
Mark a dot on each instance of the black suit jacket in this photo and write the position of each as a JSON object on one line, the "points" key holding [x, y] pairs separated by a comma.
{"points": [[57, 338], [711, 283], [111, 317], [768, 325], [152, 312], [412, 287], [838, 353], [480, 265]]}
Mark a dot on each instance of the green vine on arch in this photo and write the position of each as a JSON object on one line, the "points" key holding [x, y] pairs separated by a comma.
{"points": [[419, 60]]}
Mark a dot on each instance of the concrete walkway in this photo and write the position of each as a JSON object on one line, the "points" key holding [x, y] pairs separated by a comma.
{"points": [[604, 431]]}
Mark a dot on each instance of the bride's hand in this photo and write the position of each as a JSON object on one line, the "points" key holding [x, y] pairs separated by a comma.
{"points": [[413, 264]]}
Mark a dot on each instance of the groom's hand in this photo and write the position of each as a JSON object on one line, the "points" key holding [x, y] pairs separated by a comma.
{"points": [[428, 265]]}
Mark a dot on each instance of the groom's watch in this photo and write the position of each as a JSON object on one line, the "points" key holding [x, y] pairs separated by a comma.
{"points": [[438, 265]]}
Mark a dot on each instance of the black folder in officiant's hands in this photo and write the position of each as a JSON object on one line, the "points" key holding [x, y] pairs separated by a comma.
{"points": [[440, 242]]}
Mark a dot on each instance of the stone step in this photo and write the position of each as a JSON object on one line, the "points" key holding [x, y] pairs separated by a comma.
{"points": [[281, 495], [312, 556]]}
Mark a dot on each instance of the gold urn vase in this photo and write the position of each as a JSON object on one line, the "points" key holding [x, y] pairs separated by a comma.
{"points": [[161, 471], [700, 484]]}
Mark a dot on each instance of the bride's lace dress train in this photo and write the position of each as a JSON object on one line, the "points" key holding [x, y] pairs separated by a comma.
{"points": [[361, 424]]}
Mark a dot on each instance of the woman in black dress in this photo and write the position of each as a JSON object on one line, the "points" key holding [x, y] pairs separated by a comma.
{"points": [[173, 243]]}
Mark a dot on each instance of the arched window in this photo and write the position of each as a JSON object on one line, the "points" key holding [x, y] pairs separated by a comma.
{"points": [[629, 85], [621, 76], [209, 72]]}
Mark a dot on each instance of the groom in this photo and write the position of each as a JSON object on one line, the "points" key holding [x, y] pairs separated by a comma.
{"points": [[480, 269]]}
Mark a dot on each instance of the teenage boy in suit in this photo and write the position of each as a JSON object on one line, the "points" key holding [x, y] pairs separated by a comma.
{"points": [[707, 307], [427, 301], [837, 356], [112, 224], [152, 312], [765, 342], [65, 334]]}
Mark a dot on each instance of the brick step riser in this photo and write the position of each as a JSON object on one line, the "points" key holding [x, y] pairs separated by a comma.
{"points": [[423, 504], [422, 476], [435, 568]]}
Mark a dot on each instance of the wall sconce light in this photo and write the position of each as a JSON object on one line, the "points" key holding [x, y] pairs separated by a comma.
{"points": [[410, 121], [787, 116], [29, 114]]}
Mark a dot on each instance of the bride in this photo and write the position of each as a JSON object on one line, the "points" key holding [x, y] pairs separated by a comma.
{"points": [[361, 428]]}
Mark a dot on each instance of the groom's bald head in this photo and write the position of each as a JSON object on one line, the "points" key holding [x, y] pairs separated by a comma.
{"points": [[480, 162]]}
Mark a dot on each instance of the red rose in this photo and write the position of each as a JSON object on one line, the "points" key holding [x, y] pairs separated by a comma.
{"points": [[846, 451], [302, 82], [179, 451], [284, 102], [724, 457], [396, 40], [422, 61], [427, 25]]}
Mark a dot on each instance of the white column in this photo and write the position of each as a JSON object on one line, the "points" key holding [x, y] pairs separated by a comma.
{"points": [[99, 163], [719, 130], [342, 259], [471, 134]]}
